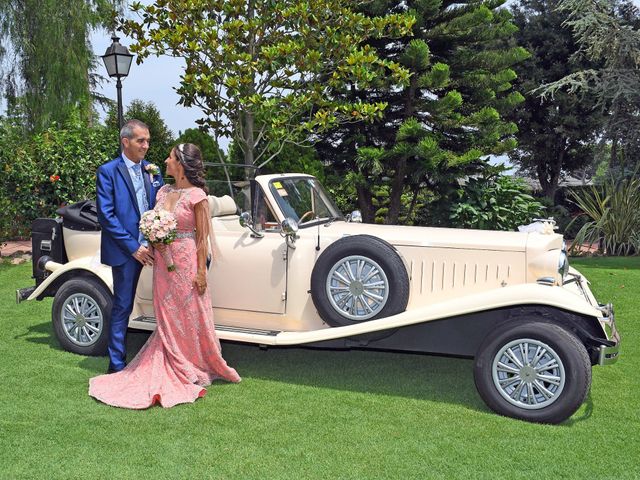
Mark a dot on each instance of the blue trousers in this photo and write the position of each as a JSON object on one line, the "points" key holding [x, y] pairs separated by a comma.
{"points": [[125, 282]]}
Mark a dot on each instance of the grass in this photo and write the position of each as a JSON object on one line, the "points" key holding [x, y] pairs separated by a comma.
{"points": [[304, 413]]}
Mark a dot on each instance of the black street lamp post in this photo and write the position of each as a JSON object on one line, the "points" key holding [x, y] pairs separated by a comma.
{"points": [[117, 61]]}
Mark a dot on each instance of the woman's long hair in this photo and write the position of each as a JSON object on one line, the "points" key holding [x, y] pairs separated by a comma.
{"points": [[190, 156]]}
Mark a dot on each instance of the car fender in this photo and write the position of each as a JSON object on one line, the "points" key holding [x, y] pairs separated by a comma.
{"points": [[58, 270], [517, 295]]}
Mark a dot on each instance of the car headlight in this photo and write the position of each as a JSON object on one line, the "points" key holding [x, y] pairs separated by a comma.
{"points": [[563, 262]]}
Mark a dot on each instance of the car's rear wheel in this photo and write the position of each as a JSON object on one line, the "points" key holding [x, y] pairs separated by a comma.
{"points": [[359, 278], [81, 314], [534, 371]]}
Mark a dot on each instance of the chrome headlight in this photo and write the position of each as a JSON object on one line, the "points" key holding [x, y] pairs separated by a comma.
{"points": [[563, 262]]}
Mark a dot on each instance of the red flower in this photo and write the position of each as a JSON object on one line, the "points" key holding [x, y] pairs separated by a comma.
{"points": [[54, 178]]}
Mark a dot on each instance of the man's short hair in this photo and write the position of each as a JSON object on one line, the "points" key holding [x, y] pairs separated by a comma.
{"points": [[127, 129]]}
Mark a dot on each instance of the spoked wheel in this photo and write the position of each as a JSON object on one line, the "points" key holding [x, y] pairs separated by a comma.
{"points": [[534, 371], [81, 313], [359, 278]]}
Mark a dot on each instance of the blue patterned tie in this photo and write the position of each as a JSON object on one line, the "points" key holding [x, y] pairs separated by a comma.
{"points": [[141, 195]]}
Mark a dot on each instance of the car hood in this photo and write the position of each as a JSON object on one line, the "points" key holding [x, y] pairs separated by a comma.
{"points": [[455, 238]]}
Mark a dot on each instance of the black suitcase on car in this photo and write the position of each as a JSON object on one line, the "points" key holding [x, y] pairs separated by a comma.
{"points": [[46, 240]]}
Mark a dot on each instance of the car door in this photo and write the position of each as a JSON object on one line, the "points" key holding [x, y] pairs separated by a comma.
{"points": [[249, 273]]}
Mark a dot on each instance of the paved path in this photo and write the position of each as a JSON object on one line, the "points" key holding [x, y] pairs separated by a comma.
{"points": [[14, 247], [18, 250]]}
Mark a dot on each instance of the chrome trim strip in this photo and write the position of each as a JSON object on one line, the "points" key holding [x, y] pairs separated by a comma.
{"points": [[253, 331], [222, 328]]}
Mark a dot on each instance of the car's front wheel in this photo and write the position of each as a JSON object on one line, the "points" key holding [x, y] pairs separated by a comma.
{"points": [[81, 313], [534, 371]]}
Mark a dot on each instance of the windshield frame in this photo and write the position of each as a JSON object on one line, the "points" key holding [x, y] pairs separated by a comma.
{"points": [[318, 191]]}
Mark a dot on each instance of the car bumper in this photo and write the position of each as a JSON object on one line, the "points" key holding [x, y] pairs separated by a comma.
{"points": [[608, 354], [609, 349], [24, 293]]}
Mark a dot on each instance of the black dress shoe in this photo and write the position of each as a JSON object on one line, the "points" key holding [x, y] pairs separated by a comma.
{"points": [[113, 370]]}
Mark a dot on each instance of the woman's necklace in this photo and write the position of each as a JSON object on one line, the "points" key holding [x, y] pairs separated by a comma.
{"points": [[182, 185]]}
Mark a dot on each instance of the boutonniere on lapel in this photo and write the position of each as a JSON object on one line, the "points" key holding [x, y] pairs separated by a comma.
{"points": [[153, 171]]}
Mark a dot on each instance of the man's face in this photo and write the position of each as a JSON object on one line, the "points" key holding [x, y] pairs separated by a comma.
{"points": [[135, 148]]}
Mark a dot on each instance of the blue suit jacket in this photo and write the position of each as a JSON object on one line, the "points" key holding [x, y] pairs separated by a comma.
{"points": [[118, 210]]}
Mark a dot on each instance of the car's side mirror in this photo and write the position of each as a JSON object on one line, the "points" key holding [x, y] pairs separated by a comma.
{"points": [[355, 217], [289, 229], [247, 222]]}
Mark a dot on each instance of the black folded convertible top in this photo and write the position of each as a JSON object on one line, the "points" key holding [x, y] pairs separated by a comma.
{"points": [[81, 216]]}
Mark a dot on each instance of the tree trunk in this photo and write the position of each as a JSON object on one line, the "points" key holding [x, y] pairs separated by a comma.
{"points": [[248, 117], [415, 191], [397, 185], [614, 152], [550, 177], [365, 204]]}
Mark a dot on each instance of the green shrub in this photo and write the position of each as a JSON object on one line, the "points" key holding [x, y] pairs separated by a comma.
{"points": [[43, 172], [613, 216], [494, 202]]}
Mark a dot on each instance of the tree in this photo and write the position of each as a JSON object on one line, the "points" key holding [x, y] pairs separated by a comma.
{"points": [[291, 159], [607, 33], [161, 137], [445, 121], [261, 70], [48, 73], [555, 135]]}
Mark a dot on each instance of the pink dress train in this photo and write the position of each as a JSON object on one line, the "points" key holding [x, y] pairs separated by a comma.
{"points": [[183, 354]]}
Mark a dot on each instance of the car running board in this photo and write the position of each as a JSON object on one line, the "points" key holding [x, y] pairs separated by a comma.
{"points": [[249, 331]]}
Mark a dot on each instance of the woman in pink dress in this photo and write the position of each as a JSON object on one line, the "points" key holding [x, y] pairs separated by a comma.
{"points": [[183, 354]]}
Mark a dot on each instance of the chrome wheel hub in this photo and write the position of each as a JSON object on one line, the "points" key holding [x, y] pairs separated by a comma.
{"points": [[357, 287], [82, 319], [528, 374]]}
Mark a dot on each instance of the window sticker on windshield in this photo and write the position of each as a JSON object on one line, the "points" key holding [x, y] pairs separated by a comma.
{"points": [[280, 189]]}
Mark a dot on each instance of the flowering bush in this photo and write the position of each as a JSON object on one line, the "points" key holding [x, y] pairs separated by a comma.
{"points": [[40, 173]]}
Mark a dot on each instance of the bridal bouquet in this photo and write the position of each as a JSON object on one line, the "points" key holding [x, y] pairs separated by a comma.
{"points": [[160, 227]]}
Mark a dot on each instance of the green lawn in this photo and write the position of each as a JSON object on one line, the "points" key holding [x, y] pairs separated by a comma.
{"points": [[303, 413]]}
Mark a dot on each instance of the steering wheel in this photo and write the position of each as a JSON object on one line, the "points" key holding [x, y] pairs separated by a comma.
{"points": [[305, 215]]}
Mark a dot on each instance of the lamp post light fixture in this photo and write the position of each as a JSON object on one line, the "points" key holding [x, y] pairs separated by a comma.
{"points": [[117, 61]]}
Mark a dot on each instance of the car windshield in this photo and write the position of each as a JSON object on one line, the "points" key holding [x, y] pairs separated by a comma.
{"points": [[304, 200]]}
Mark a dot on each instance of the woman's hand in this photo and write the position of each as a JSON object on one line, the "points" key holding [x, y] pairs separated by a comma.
{"points": [[200, 282], [160, 247]]}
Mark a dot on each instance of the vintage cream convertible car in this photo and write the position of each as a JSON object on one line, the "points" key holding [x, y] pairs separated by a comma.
{"points": [[294, 271]]}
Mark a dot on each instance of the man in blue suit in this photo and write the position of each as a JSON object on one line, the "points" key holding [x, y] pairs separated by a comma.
{"points": [[124, 191]]}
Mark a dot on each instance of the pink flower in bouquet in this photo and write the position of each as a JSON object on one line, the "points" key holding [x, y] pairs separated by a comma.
{"points": [[160, 226]]}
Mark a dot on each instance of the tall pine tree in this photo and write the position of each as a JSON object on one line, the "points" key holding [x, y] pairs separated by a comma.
{"points": [[608, 33], [556, 135], [446, 121]]}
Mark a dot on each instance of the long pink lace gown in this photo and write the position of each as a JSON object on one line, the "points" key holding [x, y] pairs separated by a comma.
{"points": [[183, 354]]}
